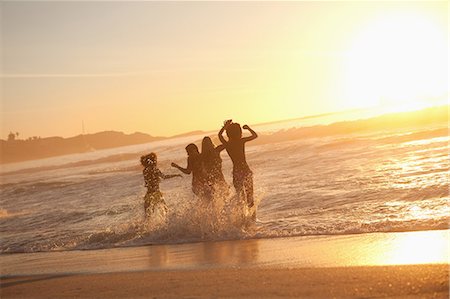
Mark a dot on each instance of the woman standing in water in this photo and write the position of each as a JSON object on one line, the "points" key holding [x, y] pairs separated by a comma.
{"points": [[194, 166], [212, 164]]}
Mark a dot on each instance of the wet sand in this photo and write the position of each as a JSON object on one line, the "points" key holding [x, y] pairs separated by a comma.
{"points": [[413, 264], [424, 281]]}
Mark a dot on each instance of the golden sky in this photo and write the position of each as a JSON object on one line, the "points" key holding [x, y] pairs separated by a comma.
{"points": [[170, 67]]}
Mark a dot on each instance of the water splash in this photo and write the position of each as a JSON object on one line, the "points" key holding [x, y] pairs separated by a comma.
{"points": [[192, 220]]}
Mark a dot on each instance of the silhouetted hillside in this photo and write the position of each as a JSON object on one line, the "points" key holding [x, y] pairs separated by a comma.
{"points": [[22, 150]]}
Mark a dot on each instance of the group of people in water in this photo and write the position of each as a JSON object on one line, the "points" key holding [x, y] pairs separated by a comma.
{"points": [[208, 180]]}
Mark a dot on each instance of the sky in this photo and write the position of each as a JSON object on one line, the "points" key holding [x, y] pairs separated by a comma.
{"points": [[166, 68]]}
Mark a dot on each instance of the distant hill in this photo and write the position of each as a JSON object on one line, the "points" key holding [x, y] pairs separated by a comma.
{"points": [[22, 150]]}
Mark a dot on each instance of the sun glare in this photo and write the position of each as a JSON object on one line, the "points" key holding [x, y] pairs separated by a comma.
{"points": [[398, 61], [418, 248]]}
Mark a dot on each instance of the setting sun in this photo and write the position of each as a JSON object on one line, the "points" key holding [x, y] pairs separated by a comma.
{"points": [[395, 61]]}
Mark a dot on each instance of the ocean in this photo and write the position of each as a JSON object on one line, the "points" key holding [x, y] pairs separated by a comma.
{"points": [[353, 181]]}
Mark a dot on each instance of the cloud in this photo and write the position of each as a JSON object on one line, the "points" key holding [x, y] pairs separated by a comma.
{"points": [[75, 75], [118, 74]]}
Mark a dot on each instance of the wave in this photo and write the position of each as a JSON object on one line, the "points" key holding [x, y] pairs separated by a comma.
{"points": [[24, 187], [224, 220], [430, 135], [4, 213], [351, 228], [134, 234], [108, 159], [192, 221], [138, 234]]}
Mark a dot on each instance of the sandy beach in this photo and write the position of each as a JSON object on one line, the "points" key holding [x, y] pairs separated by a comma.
{"points": [[424, 281], [412, 264]]}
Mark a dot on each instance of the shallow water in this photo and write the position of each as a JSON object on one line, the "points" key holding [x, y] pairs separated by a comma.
{"points": [[344, 184]]}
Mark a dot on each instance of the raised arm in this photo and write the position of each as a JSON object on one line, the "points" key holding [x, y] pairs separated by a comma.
{"points": [[221, 138], [186, 170], [250, 138], [225, 125]]}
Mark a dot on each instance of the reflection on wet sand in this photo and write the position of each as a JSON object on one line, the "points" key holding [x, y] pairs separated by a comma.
{"points": [[377, 249], [415, 248], [157, 256], [426, 247], [231, 253], [224, 253]]}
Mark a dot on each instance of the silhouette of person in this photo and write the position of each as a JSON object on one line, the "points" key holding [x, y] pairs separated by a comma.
{"points": [[152, 178], [212, 165], [194, 166], [235, 146]]}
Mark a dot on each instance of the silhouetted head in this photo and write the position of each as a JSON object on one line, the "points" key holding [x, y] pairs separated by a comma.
{"points": [[149, 159], [234, 131], [207, 145], [191, 149]]}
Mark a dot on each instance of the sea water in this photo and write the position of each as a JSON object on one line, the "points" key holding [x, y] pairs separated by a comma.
{"points": [[381, 181]]}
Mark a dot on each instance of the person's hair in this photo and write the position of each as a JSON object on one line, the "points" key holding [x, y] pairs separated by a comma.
{"points": [[148, 159], [191, 148], [234, 131], [207, 145]]}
